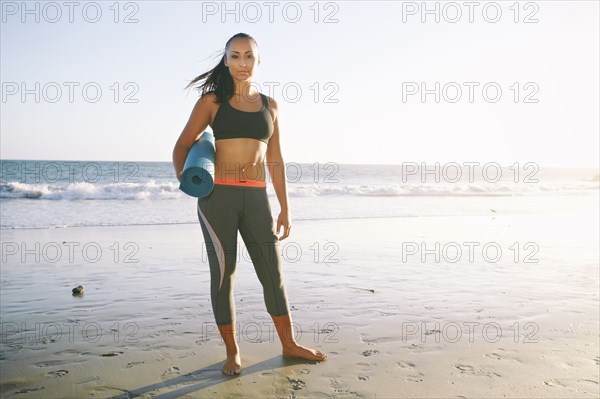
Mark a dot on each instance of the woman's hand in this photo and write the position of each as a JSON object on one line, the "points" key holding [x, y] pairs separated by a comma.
{"points": [[284, 220]]}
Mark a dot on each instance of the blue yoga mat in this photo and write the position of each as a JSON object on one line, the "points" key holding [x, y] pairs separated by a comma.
{"points": [[198, 175]]}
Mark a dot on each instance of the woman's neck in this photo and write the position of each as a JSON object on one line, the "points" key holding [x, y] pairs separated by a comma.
{"points": [[245, 90]]}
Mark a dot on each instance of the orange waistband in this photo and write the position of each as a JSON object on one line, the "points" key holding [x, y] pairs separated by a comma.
{"points": [[240, 182]]}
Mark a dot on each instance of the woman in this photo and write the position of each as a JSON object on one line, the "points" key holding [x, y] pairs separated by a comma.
{"points": [[245, 126]]}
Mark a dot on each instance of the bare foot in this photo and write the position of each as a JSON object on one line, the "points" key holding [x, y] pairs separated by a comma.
{"points": [[233, 364], [304, 353]]}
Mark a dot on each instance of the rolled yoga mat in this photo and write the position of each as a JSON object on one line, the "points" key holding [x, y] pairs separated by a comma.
{"points": [[198, 175]]}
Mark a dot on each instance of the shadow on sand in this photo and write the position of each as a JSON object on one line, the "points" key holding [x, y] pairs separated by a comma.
{"points": [[206, 377]]}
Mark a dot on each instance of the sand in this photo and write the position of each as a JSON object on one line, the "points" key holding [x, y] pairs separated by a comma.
{"points": [[490, 327]]}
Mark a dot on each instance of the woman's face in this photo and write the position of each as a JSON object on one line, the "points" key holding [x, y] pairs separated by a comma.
{"points": [[242, 59]]}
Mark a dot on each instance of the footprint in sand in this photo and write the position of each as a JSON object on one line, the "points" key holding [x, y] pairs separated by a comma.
{"points": [[27, 390], [325, 330], [111, 354], [93, 380], [493, 355], [363, 377], [406, 365], [505, 354], [58, 373], [296, 384], [48, 363], [415, 378], [559, 383], [589, 381], [554, 383], [341, 390], [369, 352], [414, 346], [131, 364], [171, 370], [410, 365], [366, 366], [465, 368]]}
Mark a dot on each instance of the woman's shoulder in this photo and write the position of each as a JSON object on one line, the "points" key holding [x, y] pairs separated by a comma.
{"points": [[209, 100], [272, 107], [209, 97], [271, 101]]}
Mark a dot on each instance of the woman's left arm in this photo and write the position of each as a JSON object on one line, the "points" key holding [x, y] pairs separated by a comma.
{"points": [[276, 168]]}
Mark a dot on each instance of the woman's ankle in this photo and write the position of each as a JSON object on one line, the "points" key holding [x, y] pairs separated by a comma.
{"points": [[228, 334], [232, 351]]}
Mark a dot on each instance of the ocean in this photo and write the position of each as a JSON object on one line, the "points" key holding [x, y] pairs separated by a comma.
{"points": [[38, 194]]}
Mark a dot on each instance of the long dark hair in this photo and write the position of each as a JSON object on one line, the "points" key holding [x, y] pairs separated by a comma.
{"points": [[219, 80]]}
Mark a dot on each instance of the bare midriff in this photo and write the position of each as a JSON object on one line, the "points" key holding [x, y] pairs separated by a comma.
{"points": [[240, 159]]}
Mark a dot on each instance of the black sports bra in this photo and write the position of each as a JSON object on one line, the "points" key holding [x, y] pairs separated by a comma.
{"points": [[231, 123]]}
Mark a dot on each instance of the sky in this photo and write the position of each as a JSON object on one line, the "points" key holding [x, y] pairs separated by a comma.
{"points": [[514, 81]]}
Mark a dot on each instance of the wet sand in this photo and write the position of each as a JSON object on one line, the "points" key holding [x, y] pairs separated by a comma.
{"points": [[394, 320]]}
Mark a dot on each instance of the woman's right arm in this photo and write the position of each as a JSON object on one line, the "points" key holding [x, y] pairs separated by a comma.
{"points": [[198, 122]]}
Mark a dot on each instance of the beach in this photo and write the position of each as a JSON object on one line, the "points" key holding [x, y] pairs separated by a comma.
{"points": [[504, 305], [445, 213]]}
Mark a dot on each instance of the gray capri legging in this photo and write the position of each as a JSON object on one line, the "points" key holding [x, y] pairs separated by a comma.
{"points": [[227, 209]]}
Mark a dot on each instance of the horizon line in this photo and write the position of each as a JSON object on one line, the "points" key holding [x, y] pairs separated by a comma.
{"points": [[587, 166]]}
